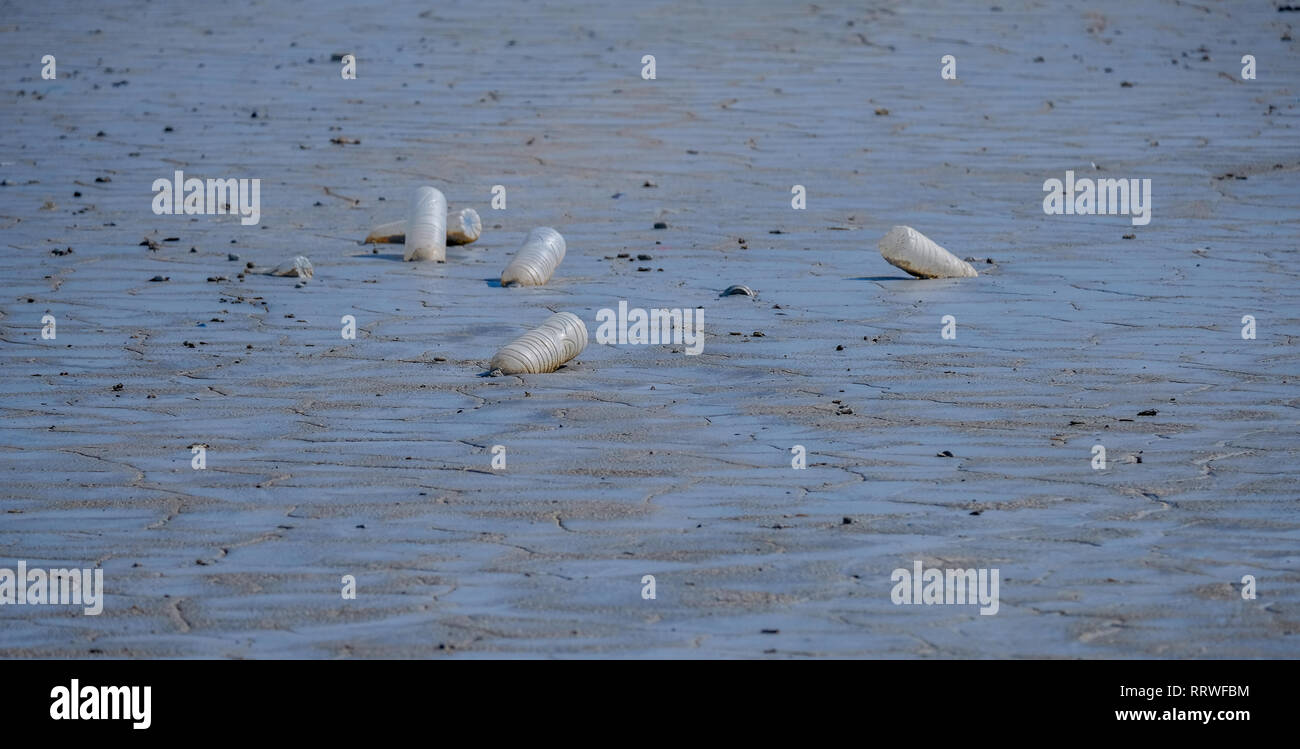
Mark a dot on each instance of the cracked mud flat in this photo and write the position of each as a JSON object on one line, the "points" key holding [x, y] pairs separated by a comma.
{"points": [[372, 457]]}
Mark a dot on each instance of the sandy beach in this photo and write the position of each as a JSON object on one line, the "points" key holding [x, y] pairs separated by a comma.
{"points": [[328, 457]]}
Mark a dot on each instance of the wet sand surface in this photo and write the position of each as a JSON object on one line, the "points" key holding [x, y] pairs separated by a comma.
{"points": [[372, 457]]}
